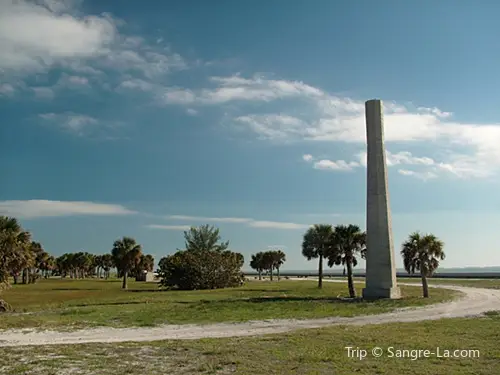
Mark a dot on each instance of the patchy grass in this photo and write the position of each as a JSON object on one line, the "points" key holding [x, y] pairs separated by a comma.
{"points": [[306, 352], [475, 283], [88, 303]]}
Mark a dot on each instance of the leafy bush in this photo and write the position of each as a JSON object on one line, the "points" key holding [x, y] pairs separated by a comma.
{"points": [[205, 264], [195, 270]]}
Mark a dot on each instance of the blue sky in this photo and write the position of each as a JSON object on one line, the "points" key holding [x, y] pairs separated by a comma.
{"points": [[142, 118]]}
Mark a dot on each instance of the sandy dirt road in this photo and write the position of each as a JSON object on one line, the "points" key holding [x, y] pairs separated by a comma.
{"points": [[474, 302]]}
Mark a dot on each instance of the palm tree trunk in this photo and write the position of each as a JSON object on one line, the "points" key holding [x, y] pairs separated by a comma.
{"points": [[260, 274], [278, 270], [271, 275], [124, 284], [16, 278], [25, 276], [320, 272], [350, 282], [425, 286]]}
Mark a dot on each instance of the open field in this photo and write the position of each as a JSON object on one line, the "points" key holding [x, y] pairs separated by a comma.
{"points": [[71, 304], [474, 283], [317, 351]]}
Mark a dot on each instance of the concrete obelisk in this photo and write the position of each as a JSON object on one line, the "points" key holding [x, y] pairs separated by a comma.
{"points": [[380, 267]]}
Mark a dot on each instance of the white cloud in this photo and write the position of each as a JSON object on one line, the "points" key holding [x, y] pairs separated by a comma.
{"points": [[73, 122], [43, 92], [420, 175], [41, 35], [191, 112], [320, 116], [277, 225], [136, 84], [6, 89], [240, 220], [35, 35], [237, 88], [430, 168], [176, 95], [210, 219], [405, 157], [168, 227], [272, 126], [338, 165], [31, 209], [69, 81]]}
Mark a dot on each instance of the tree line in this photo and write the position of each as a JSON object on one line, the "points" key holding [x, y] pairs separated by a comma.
{"points": [[206, 262], [268, 261], [26, 261], [345, 244]]}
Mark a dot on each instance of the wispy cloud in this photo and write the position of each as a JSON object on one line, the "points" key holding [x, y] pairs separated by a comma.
{"points": [[35, 35], [276, 225], [6, 89], [82, 125], [237, 88], [428, 168], [73, 122], [420, 175], [67, 81], [39, 36], [431, 167], [43, 92], [470, 149], [210, 219], [239, 220], [31, 209], [168, 227]]}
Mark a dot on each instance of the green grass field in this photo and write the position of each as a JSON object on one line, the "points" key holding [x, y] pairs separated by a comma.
{"points": [[70, 304], [307, 352], [475, 283]]}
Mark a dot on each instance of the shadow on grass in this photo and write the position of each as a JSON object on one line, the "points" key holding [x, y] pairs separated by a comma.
{"points": [[74, 289], [278, 299], [206, 290], [112, 303], [145, 290]]}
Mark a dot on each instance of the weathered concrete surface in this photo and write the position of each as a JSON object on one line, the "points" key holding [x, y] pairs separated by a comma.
{"points": [[380, 267]]}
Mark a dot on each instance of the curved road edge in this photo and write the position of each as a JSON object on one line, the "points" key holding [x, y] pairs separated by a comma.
{"points": [[474, 302]]}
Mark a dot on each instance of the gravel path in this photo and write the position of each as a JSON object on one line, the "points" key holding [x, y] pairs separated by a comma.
{"points": [[475, 301]]}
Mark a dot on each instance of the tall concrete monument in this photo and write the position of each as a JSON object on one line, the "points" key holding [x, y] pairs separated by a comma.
{"points": [[380, 267]]}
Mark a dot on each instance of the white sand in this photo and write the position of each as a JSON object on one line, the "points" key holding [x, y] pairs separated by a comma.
{"points": [[475, 301]]}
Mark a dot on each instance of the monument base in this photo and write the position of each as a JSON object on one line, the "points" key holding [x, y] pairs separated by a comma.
{"points": [[379, 293]]}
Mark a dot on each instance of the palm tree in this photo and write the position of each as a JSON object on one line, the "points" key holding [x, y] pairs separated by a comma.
{"points": [[279, 257], [126, 254], [422, 253], [257, 263], [107, 264], [146, 263], [268, 263], [14, 244], [317, 243], [348, 243]]}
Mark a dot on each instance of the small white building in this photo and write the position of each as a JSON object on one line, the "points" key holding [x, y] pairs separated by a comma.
{"points": [[146, 276]]}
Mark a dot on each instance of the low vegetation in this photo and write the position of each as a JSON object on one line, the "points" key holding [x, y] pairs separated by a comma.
{"points": [[206, 263], [308, 352], [67, 303]]}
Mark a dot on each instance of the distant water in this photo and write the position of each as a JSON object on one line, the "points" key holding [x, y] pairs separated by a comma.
{"points": [[465, 272]]}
